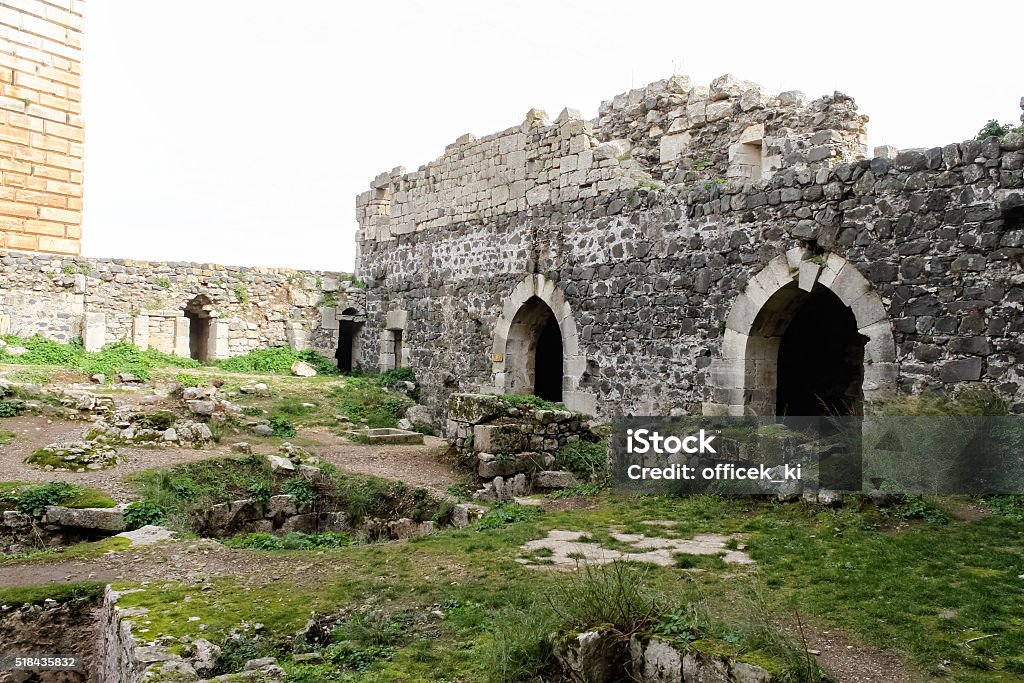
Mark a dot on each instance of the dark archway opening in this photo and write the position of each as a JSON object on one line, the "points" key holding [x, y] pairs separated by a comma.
{"points": [[348, 330], [533, 352], [548, 380], [821, 359], [198, 313]]}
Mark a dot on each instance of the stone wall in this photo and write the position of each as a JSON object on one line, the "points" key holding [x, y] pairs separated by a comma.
{"points": [[41, 129], [675, 299], [147, 303]]}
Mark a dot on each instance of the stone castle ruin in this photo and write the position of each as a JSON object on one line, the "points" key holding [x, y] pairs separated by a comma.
{"points": [[699, 249], [694, 249]]}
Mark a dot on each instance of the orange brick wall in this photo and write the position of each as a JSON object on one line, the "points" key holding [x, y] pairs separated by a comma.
{"points": [[41, 128]]}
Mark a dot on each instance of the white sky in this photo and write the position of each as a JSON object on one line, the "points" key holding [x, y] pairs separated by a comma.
{"points": [[240, 131]]}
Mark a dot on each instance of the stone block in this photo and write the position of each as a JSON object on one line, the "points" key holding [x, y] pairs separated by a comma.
{"points": [[100, 519], [961, 370], [503, 465], [94, 331], [474, 408], [554, 479], [673, 147]]}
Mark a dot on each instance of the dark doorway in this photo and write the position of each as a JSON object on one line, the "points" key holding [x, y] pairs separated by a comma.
{"points": [[198, 313], [398, 348], [348, 330], [548, 364], [821, 359], [533, 352]]}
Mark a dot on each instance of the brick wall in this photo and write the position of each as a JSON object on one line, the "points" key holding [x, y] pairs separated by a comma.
{"points": [[41, 129]]}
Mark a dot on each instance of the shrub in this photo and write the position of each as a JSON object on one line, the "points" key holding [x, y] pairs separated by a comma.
{"points": [[391, 378], [994, 128], [301, 490], [140, 514], [11, 408], [33, 501], [282, 426], [585, 459]]}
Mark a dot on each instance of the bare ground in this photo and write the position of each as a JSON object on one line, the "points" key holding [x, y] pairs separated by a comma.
{"points": [[415, 465]]}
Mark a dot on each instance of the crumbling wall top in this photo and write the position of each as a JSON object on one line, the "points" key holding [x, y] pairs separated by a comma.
{"points": [[665, 133]]}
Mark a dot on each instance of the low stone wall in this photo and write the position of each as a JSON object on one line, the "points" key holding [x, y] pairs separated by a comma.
{"points": [[156, 304], [513, 447], [604, 657], [57, 526]]}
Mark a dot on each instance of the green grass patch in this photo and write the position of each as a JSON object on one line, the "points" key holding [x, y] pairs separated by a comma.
{"points": [[61, 592], [186, 492], [276, 361], [31, 498], [79, 551], [6, 437], [110, 360]]}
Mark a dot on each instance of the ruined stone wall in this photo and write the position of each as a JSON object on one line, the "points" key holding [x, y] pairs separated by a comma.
{"points": [[41, 129], [144, 302], [657, 290]]}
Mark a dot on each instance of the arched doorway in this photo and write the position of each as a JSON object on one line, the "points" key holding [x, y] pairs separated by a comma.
{"points": [[808, 335], [534, 352], [349, 323], [198, 312], [820, 353]]}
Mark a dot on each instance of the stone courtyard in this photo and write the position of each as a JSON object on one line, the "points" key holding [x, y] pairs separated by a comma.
{"points": [[246, 474]]}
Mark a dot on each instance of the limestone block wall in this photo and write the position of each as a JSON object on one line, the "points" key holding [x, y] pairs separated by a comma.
{"points": [[662, 295], [41, 129], [148, 303]]}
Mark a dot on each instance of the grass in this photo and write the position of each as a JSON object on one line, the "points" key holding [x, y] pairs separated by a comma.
{"points": [[877, 577], [125, 357], [6, 437], [80, 551], [61, 592], [185, 492]]}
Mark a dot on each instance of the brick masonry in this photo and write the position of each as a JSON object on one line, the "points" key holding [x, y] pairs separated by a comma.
{"points": [[659, 231], [41, 130]]}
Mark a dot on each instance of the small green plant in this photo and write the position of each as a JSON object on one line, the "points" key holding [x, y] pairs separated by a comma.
{"points": [[282, 426], [260, 492], [33, 501], [6, 437], [585, 459], [530, 401], [143, 513], [163, 282], [11, 408], [252, 411], [996, 129], [301, 490], [507, 513], [241, 293], [187, 380]]}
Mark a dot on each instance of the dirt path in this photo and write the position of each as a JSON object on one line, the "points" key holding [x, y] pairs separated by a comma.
{"points": [[34, 432], [180, 561], [415, 465]]}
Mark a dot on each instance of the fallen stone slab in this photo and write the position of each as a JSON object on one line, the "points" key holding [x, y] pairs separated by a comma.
{"points": [[100, 519]]}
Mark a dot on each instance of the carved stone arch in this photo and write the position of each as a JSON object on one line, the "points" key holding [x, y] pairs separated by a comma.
{"points": [[743, 380], [524, 313]]}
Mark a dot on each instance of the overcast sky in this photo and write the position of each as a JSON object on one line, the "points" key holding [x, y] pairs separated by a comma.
{"points": [[240, 131]]}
